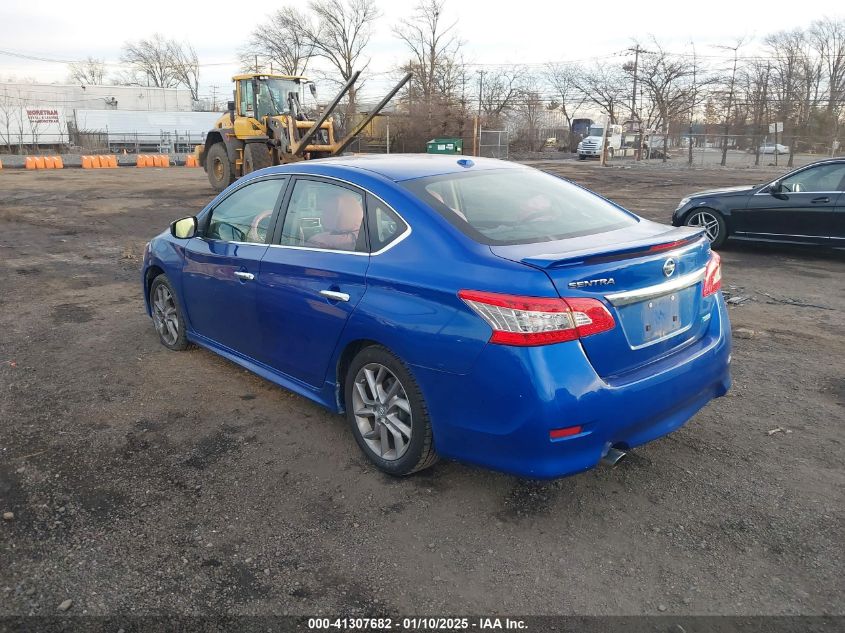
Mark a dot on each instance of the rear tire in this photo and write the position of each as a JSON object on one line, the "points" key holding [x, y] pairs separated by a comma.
{"points": [[712, 222], [218, 167], [387, 413], [256, 156]]}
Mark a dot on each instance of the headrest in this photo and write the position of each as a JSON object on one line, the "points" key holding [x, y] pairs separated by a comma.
{"points": [[349, 214]]}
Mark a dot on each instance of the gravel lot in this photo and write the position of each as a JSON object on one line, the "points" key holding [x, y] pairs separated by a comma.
{"points": [[145, 481]]}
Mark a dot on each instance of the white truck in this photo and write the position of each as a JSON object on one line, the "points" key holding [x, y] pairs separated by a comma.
{"points": [[590, 146]]}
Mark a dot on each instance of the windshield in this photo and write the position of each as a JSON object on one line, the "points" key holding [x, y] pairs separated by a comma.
{"points": [[596, 131], [518, 206], [273, 96]]}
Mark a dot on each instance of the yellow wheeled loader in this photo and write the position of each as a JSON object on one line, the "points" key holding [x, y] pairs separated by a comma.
{"points": [[266, 125]]}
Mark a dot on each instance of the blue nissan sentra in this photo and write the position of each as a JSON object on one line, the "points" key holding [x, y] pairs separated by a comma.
{"points": [[468, 309]]}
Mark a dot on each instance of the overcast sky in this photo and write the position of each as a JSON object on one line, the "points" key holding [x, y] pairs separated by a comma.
{"points": [[500, 32]]}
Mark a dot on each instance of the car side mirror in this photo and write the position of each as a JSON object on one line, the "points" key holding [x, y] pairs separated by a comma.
{"points": [[231, 108], [313, 90], [185, 228]]}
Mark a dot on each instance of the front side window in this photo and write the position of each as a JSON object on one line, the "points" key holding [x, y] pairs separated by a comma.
{"points": [[816, 179], [518, 206], [245, 215], [324, 215]]}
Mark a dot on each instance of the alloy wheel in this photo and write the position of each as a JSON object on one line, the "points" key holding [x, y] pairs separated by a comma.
{"points": [[382, 411], [707, 221], [164, 315]]}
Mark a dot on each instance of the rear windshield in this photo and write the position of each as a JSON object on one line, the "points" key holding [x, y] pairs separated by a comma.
{"points": [[518, 206]]}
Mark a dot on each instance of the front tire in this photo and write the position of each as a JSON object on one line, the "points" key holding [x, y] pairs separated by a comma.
{"points": [[256, 156], [218, 167], [712, 222], [167, 315], [387, 413]]}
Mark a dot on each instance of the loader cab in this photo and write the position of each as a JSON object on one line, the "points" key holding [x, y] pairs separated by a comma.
{"points": [[259, 96]]}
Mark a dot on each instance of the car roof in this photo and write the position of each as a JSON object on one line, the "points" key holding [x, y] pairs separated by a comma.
{"points": [[399, 167]]}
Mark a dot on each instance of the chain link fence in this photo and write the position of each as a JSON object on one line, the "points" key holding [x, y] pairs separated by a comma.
{"points": [[493, 144], [111, 142], [708, 150]]}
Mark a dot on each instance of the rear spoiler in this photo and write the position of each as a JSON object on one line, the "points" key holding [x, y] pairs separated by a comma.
{"points": [[680, 237]]}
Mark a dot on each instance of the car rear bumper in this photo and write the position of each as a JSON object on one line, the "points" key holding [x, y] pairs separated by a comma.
{"points": [[500, 414]]}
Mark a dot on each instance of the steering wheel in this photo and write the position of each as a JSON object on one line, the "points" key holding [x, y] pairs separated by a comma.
{"points": [[258, 233]]}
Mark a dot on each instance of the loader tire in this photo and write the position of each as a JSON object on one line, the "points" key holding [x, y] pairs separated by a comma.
{"points": [[256, 156], [218, 167]]}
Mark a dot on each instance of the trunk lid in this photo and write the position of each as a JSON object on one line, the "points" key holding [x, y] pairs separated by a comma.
{"points": [[657, 303]]}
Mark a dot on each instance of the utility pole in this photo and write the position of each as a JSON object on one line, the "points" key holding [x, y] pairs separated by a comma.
{"points": [[480, 89], [477, 127], [636, 51], [214, 97], [256, 64]]}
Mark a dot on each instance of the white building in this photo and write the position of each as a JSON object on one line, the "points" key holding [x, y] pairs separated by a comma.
{"points": [[48, 114], [71, 97]]}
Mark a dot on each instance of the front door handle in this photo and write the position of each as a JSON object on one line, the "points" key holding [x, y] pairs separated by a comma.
{"points": [[334, 295], [821, 200], [244, 275]]}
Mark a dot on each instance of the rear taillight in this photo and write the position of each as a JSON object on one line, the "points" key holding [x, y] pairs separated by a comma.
{"points": [[527, 321], [712, 275]]}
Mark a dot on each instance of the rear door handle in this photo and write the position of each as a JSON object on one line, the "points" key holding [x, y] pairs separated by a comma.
{"points": [[244, 275], [821, 200], [334, 295]]}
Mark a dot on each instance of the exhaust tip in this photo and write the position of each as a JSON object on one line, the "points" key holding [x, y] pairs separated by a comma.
{"points": [[613, 456]]}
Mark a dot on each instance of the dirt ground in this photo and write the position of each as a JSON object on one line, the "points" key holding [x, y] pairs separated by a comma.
{"points": [[146, 481]]}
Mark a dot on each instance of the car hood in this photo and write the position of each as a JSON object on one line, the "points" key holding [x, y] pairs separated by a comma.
{"points": [[725, 191]]}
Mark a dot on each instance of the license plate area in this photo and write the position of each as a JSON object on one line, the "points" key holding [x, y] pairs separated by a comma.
{"points": [[650, 321], [661, 316]]}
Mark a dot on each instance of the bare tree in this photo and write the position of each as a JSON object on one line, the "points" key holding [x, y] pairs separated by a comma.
{"points": [[755, 86], [604, 85], [500, 90], [434, 47], [90, 71], [828, 38], [185, 66], [529, 107], [282, 40], [563, 78], [729, 95], [163, 63], [343, 30], [7, 108], [787, 49], [150, 62], [666, 83]]}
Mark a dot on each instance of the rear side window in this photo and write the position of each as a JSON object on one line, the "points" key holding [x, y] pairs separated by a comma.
{"points": [[385, 225], [518, 206], [325, 216]]}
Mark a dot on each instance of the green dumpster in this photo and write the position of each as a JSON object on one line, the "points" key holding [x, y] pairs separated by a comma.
{"points": [[445, 146]]}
